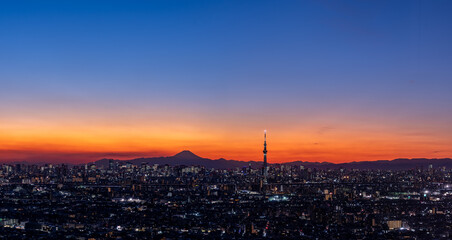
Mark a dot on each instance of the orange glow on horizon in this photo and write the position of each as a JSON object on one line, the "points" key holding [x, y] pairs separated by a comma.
{"points": [[77, 143]]}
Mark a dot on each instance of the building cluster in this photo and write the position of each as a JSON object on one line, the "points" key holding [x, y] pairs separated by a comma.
{"points": [[127, 201]]}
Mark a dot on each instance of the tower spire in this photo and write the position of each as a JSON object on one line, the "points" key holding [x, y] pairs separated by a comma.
{"points": [[265, 167]]}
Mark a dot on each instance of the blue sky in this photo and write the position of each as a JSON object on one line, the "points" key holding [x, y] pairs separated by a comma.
{"points": [[268, 63]]}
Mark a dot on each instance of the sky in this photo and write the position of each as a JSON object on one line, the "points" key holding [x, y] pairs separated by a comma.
{"points": [[334, 81]]}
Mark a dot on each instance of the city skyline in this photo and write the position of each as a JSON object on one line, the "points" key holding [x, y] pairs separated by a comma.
{"points": [[331, 81]]}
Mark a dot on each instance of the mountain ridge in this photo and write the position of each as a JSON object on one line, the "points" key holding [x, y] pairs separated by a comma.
{"points": [[188, 158]]}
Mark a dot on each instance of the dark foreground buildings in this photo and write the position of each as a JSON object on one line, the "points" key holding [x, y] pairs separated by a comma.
{"points": [[126, 201]]}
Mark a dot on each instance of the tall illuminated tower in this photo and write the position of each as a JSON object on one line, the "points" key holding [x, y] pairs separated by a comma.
{"points": [[265, 167]]}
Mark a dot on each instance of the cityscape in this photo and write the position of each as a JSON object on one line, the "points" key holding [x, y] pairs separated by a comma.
{"points": [[142, 201], [226, 119]]}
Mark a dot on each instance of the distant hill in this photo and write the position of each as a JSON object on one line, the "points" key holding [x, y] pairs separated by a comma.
{"points": [[396, 164], [188, 158]]}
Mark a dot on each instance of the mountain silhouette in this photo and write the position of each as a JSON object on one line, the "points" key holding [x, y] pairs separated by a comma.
{"points": [[396, 164], [188, 158], [187, 155]]}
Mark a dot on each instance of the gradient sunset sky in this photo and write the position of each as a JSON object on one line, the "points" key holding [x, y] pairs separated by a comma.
{"points": [[333, 81]]}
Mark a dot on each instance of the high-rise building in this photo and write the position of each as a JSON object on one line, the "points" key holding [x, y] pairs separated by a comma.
{"points": [[111, 164]]}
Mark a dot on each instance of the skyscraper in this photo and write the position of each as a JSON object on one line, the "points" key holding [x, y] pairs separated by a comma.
{"points": [[265, 167]]}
